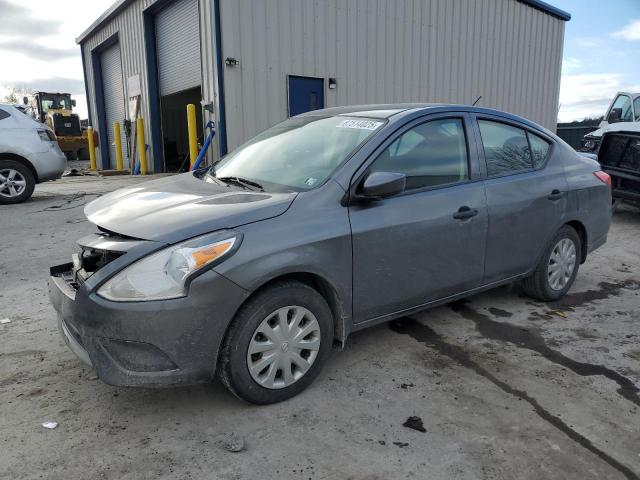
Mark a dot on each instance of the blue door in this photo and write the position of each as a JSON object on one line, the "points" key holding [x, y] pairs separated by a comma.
{"points": [[305, 94]]}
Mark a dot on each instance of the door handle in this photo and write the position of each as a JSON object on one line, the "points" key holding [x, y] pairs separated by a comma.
{"points": [[555, 195], [464, 213]]}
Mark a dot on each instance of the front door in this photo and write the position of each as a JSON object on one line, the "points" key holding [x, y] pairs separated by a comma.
{"points": [[305, 94], [428, 242]]}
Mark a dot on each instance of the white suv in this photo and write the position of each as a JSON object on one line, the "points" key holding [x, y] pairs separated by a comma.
{"points": [[29, 154]]}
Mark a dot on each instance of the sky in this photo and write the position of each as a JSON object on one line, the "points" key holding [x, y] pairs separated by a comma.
{"points": [[38, 48], [601, 55], [601, 50]]}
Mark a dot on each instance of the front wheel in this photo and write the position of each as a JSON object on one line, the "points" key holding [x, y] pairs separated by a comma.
{"points": [[277, 344], [557, 270]]}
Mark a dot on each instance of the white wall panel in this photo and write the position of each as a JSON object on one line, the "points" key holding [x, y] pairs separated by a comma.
{"points": [[382, 51]]}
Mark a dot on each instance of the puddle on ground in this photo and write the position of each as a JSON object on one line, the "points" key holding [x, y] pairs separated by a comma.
{"points": [[428, 337], [531, 339]]}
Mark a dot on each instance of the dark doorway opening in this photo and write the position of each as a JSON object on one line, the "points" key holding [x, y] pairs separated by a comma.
{"points": [[175, 139]]}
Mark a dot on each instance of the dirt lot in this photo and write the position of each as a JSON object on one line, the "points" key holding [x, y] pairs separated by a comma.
{"points": [[506, 387]]}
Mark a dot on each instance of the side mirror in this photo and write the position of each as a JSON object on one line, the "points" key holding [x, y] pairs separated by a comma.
{"points": [[73, 103], [25, 100], [383, 184], [614, 115]]}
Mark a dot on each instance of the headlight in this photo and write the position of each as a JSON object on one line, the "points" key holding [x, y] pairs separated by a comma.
{"points": [[167, 273]]}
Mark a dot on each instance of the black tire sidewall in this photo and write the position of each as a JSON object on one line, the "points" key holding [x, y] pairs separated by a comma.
{"points": [[28, 176], [245, 324], [571, 234]]}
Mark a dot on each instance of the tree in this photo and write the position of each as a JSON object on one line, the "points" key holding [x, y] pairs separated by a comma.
{"points": [[16, 93]]}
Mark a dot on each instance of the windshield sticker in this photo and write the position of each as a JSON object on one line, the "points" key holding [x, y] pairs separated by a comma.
{"points": [[359, 124], [310, 182]]}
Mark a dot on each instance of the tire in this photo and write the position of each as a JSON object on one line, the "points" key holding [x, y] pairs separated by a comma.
{"points": [[540, 284], [235, 362], [22, 185]]}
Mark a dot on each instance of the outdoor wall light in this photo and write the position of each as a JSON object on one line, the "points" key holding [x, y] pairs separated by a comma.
{"points": [[332, 83]]}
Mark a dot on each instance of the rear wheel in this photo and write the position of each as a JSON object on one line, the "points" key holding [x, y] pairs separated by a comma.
{"points": [[557, 270], [277, 343], [16, 182]]}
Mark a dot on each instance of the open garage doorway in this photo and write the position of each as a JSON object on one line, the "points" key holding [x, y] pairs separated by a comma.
{"points": [[175, 139], [177, 38]]}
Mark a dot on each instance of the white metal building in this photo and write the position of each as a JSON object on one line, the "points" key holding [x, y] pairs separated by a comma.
{"points": [[251, 63]]}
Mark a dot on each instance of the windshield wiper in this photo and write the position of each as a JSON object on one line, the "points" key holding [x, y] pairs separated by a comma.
{"points": [[243, 182]]}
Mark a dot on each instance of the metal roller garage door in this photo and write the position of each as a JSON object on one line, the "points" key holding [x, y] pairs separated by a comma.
{"points": [[178, 47], [114, 106]]}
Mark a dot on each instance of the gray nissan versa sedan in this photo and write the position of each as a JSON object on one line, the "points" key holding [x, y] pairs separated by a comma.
{"points": [[327, 223]]}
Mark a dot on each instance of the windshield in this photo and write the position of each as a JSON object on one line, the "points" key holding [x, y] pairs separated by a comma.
{"points": [[299, 153], [56, 102]]}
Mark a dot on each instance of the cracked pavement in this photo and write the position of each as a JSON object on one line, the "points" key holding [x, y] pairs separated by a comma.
{"points": [[506, 387]]}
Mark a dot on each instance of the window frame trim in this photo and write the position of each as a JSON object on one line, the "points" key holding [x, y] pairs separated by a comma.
{"points": [[514, 124], [474, 173]]}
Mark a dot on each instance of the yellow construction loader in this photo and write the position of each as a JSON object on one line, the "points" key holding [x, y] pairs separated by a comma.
{"points": [[56, 111]]}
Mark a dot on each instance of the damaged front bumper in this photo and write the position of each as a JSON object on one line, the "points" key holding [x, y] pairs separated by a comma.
{"points": [[165, 342]]}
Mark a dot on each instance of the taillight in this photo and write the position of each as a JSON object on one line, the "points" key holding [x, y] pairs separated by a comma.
{"points": [[604, 177], [47, 135]]}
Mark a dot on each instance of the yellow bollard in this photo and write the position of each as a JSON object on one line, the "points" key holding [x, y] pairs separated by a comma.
{"points": [[92, 149], [193, 136], [142, 149], [118, 142]]}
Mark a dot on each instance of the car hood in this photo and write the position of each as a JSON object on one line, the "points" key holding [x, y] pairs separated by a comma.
{"points": [[615, 127], [175, 208]]}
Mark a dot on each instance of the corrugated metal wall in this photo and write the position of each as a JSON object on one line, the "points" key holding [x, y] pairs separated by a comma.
{"points": [[379, 51], [390, 51], [128, 24]]}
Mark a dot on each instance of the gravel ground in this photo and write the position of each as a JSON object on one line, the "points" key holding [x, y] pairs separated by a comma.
{"points": [[505, 387]]}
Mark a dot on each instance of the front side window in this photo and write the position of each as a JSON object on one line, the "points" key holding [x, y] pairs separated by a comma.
{"points": [[506, 149], [430, 154], [299, 153], [623, 105], [3, 114], [636, 107]]}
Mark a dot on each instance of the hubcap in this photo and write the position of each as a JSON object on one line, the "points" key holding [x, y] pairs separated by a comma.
{"points": [[283, 347], [12, 183], [562, 262]]}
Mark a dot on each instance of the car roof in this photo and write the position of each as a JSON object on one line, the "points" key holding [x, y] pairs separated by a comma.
{"points": [[386, 111]]}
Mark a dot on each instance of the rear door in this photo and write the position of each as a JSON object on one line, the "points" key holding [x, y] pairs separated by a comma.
{"points": [[526, 195], [428, 242]]}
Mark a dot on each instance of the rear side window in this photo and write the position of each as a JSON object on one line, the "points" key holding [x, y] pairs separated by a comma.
{"points": [[636, 107], [430, 154], [506, 149], [3, 114], [539, 149]]}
